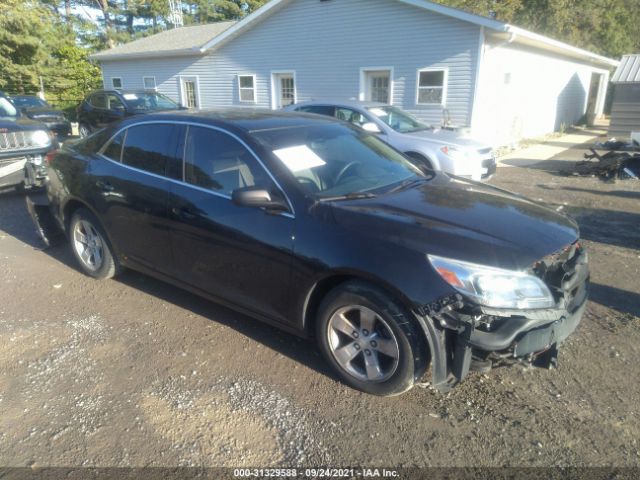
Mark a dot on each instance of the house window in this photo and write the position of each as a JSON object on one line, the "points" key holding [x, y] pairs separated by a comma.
{"points": [[116, 82], [432, 86], [247, 87], [149, 83]]}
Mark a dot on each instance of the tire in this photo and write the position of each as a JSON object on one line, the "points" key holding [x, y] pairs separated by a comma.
{"points": [[355, 355], [422, 160], [90, 246], [84, 130]]}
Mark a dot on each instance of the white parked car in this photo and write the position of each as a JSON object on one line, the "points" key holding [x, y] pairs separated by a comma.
{"points": [[434, 147]]}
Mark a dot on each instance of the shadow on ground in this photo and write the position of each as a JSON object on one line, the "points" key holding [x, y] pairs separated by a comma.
{"points": [[620, 300], [611, 227], [612, 193]]}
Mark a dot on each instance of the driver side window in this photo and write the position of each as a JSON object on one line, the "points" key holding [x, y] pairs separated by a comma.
{"points": [[216, 161], [114, 103]]}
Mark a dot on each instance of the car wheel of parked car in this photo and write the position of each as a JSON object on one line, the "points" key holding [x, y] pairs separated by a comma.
{"points": [[369, 339], [83, 130], [91, 247]]}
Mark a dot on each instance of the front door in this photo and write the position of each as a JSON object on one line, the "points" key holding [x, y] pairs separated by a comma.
{"points": [[189, 90], [238, 254], [378, 86], [284, 89]]}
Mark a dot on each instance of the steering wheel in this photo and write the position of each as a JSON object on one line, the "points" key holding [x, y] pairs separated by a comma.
{"points": [[344, 170], [308, 184]]}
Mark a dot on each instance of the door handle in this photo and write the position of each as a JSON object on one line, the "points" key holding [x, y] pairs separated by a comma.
{"points": [[105, 186], [184, 213]]}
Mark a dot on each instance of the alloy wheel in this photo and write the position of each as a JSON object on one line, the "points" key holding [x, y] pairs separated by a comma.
{"points": [[363, 344], [88, 244]]}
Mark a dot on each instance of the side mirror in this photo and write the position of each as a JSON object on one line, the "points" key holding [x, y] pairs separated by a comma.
{"points": [[371, 127], [258, 197]]}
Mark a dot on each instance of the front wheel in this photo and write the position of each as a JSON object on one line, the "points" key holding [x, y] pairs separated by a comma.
{"points": [[90, 246], [84, 130], [369, 340]]}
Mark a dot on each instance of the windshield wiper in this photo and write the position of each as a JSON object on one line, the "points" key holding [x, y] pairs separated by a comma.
{"points": [[348, 196], [408, 183]]}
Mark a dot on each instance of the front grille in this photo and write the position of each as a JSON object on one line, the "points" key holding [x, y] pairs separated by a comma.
{"points": [[16, 141], [566, 273], [48, 118]]}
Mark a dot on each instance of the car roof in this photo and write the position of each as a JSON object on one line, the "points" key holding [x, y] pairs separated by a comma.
{"points": [[247, 119], [25, 96], [344, 103], [123, 92]]}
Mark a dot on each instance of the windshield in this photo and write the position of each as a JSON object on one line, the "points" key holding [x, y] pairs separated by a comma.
{"points": [[334, 160], [398, 120], [7, 109], [146, 101], [26, 102]]}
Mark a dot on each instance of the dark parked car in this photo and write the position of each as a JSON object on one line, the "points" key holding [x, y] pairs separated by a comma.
{"points": [[23, 145], [103, 107], [39, 110], [324, 230]]}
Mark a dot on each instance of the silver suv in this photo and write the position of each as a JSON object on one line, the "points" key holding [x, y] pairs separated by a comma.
{"points": [[437, 148]]}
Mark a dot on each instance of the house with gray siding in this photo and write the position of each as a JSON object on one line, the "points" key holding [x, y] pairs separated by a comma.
{"points": [[441, 64], [625, 110]]}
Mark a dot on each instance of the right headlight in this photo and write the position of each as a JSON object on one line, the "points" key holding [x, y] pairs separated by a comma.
{"points": [[41, 138], [493, 287], [454, 153]]}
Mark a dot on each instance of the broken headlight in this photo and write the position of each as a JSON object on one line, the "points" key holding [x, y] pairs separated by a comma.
{"points": [[493, 287]]}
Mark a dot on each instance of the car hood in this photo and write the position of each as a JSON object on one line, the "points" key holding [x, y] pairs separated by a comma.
{"points": [[447, 137], [14, 124], [459, 219], [43, 111]]}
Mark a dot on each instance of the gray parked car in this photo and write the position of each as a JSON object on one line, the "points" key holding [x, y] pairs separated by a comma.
{"points": [[437, 148]]}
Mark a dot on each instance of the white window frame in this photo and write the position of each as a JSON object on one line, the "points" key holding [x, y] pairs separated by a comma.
{"points": [[445, 83], [362, 95], [195, 78], [275, 88], [144, 85], [121, 83], [253, 89]]}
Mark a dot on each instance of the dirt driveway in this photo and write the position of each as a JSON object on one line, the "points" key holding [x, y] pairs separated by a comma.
{"points": [[133, 372]]}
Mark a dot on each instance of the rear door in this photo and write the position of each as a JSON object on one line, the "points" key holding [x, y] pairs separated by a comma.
{"points": [[133, 191], [238, 254]]}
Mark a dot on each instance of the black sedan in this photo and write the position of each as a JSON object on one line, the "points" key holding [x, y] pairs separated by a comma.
{"points": [[103, 107], [326, 231], [39, 110]]}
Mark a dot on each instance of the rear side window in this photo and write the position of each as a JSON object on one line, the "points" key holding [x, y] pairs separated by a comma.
{"points": [[318, 109], [216, 161], [149, 147], [114, 149]]}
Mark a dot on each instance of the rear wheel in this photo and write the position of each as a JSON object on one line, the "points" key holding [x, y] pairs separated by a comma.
{"points": [[368, 339], [90, 246]]}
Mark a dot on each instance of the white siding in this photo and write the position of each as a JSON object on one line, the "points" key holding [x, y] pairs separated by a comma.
{"points": [[326, 44], [524, 93]]}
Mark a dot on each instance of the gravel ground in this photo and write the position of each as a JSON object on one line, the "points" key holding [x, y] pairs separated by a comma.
{"points": [[133, 372]]}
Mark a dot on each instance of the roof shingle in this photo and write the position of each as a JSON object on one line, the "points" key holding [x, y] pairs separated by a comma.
{"points": [[177, 40]]}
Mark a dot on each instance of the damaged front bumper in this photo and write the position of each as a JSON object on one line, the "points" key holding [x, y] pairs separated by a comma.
{"points": [[463, 336]]}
